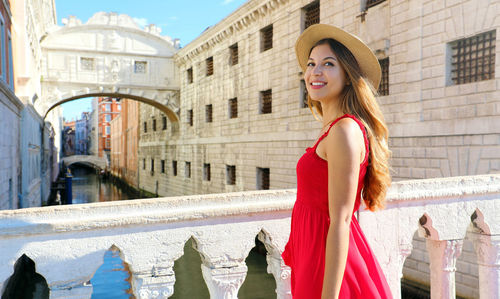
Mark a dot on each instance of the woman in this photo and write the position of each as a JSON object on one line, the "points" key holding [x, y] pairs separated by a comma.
{"points": [[327, 251]]}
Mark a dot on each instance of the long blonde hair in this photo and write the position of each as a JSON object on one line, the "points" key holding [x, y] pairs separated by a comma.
{"points": [[358, 99]]}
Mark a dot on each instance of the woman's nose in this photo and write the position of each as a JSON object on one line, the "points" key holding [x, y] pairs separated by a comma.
{"points": [[317, 69]]}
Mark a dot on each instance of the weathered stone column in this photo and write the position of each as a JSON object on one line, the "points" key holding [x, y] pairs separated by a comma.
{"points": [[81, 291], [281, 273], [488, 259], [224, 283], [443, 256], [158, 285]]}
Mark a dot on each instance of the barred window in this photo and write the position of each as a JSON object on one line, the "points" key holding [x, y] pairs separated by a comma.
{"points": [[266, 104], [87, 63], [140, 67], [154, 124], [190, 117], [473, 58], [208, 113], [311, 14], [145, 127], [303, 94], [383, 88], [371, 3], [152, 165], [164, 122], [143, 163], [210, 66], [233, 54], [174, 167], [230, 174], [233, 108], [266, 37], [162, 166], [262, 178], [206, 172], [187, 169], [190, 75]]}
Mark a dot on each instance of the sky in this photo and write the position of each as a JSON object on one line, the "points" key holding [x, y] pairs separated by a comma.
{"points": [[182, 19]]}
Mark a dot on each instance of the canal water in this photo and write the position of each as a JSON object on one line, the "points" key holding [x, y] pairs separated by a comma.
{"points": [[112, 279]]}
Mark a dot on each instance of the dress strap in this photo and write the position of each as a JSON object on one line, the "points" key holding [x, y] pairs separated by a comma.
{"points": [[327, 131]]}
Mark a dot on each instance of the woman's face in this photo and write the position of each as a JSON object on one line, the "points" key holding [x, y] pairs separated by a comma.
{"points": [[325, 78]]}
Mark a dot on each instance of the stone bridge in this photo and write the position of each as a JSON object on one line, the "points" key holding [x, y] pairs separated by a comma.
{"points": [[92, 161], [110, 55]]}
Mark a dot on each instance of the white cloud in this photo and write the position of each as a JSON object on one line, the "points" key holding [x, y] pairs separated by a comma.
{"points": [[174, 18], [226, 2], [141, 21]]}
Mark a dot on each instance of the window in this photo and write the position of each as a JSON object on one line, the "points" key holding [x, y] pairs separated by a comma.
{"points": [[107, 117], [210, 66], [262, 178], [233, 108], [164, 123], [145, 127], [187, 169], [265, 105], [208, 113], [143, 163], [303, 94], [152, 165], [206, 172], [371, 3], [266, 37], [383, 89], [108, 130], [190, 117], [140, 67], [190, 75], [119, 107], [154, 124], [2, 50], [233, 50], [87, 63], [473, 58], [107, 107], [230, 174], [174, 167], [108, 145], [310, 14], [11, 66], [162, 166]]}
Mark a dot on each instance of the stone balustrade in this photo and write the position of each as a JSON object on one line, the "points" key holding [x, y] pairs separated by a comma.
{"points": [[67, 243]]}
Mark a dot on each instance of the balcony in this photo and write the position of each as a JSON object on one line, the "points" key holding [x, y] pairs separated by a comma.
{"points": [[67, 243]]}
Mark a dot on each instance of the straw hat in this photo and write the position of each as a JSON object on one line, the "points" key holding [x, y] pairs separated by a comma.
{"points": [[367, 61]]}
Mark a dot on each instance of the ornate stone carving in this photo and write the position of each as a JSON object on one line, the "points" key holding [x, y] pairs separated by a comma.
{"points": [[443, 256], [158, 284], [487, 248], [282, 274], [224, 283]]}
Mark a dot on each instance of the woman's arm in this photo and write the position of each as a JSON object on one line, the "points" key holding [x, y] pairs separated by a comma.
{"points": [[344, 149]]}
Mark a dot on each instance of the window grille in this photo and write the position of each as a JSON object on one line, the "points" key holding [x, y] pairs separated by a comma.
{"points": [[473, 58], [140, 67], [190, 117], [190, 75], [230, 174], [262, 178], [87, 64], [206, 172], [174, 167], [143, 163], [162, 166], [234, 54], [152, 165], [266, 97], [383, 88], [145, 127], [266, 36], [233, 108], [311, 14], [208, 113], [371, 3], [303, 94], [187, 169], [210, 66], [154, 124], [164, 122]]}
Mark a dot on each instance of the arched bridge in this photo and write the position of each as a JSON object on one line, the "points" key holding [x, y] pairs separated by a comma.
{"points": [[92, 161], [110, 55]]}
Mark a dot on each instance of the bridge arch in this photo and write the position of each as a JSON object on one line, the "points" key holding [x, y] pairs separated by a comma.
{"points": [[110, 55], [88, 160]]}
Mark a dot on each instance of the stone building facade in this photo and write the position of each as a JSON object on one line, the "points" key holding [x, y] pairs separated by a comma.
{"points": [[243, 124]]}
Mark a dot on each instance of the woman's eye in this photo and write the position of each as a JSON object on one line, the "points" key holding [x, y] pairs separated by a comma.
{"points": [[329, 63], [310, 64]]}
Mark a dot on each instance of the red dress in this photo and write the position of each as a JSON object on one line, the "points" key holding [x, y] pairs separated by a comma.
{"points": [[305, 251]]}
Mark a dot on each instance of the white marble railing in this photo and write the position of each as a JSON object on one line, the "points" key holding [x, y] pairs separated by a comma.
{"points": [[67, 243]]}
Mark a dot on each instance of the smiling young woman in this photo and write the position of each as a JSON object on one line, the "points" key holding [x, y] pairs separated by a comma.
{"points": [[327, 251]]}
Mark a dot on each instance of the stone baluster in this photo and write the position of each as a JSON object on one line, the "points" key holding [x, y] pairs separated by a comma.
{"points": [[79, 291], [487, 248], [158, 284], [443, 256], [281, 273], [224, 282]]}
